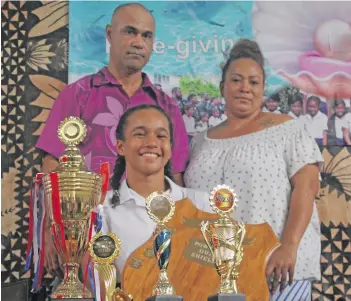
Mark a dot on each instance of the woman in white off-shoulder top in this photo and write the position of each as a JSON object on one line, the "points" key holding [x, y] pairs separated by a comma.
{"points": [[273, 164]]}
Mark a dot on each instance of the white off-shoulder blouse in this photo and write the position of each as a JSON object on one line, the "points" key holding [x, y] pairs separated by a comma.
{"points": [[259, 167]]}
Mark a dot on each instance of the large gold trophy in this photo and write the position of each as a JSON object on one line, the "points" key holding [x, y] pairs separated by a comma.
{"points": [[224, 238], [71, 194]]}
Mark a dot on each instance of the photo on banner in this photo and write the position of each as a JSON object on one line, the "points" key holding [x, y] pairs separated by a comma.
{"points": [[308, 76]]}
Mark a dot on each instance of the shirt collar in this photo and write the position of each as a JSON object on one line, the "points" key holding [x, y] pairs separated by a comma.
{"points": [[104, 77], [126, 194]]}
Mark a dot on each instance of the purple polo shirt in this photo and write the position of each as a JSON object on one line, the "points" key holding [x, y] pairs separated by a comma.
{"points": [[100, 100]]}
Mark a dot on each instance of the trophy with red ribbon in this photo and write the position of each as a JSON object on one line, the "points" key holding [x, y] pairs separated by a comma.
{"points": [[71, 194]]}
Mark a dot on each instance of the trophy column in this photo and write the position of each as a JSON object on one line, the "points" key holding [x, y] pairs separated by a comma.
{"points": [[224, 238], [160, 208]]}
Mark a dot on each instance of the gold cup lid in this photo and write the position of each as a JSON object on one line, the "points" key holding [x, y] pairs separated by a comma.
{"points": [[72, 131], [223, 200]]}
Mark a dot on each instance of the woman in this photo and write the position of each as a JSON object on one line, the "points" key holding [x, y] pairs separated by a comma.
{"points": [[272, 163]]}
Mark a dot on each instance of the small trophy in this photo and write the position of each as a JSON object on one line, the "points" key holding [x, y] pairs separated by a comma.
{"points": [[104, 249], [160, 207], [224, 238], [71, 194]]}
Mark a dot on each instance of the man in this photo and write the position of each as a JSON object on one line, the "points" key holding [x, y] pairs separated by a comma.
{"points": [[100, 99], [177, 97]]}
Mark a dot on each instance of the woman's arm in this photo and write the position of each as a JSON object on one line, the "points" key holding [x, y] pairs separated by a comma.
{"points": [[346, 134], [305, 185], [325, 138]]}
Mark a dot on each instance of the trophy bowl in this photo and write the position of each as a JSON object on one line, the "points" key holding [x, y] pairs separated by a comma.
{"points": [[71, 194]]}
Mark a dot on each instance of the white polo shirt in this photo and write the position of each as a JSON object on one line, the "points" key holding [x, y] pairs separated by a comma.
{"points": [[316, 125], [130, 221], [189, 123]]}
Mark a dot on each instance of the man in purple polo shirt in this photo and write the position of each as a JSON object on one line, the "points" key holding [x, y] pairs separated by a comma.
{"points": [[100, 99]]}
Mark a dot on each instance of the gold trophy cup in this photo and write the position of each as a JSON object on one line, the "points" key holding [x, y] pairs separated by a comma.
{"points": [[224, 238], [71, 194]]}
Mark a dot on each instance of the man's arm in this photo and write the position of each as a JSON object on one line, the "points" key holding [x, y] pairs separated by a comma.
{"points": [[66, 104], [180, 148], [178, 178], [49, 163]]}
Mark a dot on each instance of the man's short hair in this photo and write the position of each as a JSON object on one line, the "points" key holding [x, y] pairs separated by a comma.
{"points": [[118, 8]]}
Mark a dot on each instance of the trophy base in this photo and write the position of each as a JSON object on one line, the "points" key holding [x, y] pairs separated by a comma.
{"points": [[72, 299], [165, 298], [227, 297]]}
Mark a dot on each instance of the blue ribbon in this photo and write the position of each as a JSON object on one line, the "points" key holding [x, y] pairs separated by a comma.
{"points": [[40, 215]]}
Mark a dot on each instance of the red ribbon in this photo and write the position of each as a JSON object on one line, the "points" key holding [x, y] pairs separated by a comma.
{"points": [[105, 173], [92, 222], [56, 210]]}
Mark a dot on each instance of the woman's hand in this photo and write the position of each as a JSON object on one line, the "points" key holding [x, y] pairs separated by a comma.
{"points": [[281, 264]]}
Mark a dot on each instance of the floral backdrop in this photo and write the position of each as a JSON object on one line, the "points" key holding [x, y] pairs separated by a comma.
{"points": [[34, 70]]}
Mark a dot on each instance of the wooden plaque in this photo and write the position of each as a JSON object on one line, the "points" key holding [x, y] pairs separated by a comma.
{"points": [[190, 270]]}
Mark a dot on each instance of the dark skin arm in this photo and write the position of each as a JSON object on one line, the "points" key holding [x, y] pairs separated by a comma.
{"points": [[281, 265], [178, 179]]}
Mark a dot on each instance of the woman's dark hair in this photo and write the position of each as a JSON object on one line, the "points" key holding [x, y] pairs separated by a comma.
{"points": [[245, 48], [120, 166]]}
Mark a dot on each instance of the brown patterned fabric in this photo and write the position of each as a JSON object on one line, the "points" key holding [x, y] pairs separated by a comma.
{"points": [[34, 71]]}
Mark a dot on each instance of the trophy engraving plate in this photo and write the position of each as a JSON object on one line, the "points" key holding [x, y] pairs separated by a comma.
{"points": [[160, 207], [104, 249], [223, 200], [104, 246]]}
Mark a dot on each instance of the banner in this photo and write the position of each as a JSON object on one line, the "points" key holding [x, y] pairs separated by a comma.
{"points": [[307, 47]]}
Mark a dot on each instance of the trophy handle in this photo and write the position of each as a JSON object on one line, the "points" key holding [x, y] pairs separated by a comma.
{"points": [[109, 275], [239, 254], [204, 231]]}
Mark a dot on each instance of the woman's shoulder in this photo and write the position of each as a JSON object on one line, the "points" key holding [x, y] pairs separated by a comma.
{"points": [[271, 119]]}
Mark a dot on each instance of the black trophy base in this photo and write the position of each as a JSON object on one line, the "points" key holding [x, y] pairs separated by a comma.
{"points": [[73, 299], [165, 298], [227, 297]]}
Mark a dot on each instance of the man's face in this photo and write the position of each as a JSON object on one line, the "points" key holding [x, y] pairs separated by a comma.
{"points": [[296, 108], [131, 37], [179, 93]]}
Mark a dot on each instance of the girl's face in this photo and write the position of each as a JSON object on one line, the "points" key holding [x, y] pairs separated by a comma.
{"points": [[147, 142]]}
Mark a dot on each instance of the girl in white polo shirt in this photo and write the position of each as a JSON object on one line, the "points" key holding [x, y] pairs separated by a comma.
{"points": [[144, 141]]}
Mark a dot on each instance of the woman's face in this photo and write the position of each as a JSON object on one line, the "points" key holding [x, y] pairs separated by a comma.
{"points": [[147, 143], [243, 88]]}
